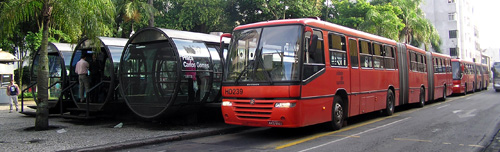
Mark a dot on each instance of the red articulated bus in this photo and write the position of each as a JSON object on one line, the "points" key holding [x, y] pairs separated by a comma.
{"points": [[464, 76], [486, 76], [300, 72], [442, 82]]}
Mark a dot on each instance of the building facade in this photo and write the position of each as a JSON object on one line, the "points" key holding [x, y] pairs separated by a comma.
{"points": [[454, 20]]}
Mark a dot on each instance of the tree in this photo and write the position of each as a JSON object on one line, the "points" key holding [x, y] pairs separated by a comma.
{"points": [[380, 20], [89, 18], [198, 16], [134, 12], [383, 20], [251, 11]]}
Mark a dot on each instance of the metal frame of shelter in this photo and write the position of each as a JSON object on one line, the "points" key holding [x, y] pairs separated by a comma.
{"points": [[166, 72]]}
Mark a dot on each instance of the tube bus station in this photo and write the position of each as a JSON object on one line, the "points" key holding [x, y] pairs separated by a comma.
{"points": [[165, 72], [156, 73]]}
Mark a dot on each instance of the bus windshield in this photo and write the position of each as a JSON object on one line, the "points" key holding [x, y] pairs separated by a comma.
{"points": [[457, 72], [266, 54]]}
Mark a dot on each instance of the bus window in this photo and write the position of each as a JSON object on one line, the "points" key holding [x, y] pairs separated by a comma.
{"points": [[337, 47], [353, 53], [389, 58], [315, 60], [424, 62], [377, 56], [366, 57]]}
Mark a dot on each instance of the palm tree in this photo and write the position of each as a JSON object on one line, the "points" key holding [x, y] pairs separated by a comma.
{"points": [[133, 11], [78, 18]]}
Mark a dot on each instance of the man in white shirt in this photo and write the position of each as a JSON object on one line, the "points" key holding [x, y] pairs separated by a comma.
{"points": [[81, 69]]}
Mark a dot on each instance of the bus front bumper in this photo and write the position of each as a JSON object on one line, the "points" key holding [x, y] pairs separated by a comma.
{"points": [[261, 113]]}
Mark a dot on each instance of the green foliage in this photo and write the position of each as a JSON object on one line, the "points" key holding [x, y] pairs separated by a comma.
{"points": [[349, 14], [27, 95], [250, 11], [383, 20], [195, 15], [132, 15], [376, 19], [25, 77], [401, 20]]}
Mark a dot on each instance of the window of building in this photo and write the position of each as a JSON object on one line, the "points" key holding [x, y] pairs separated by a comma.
{"points": [[451, 16], [451, 1], [453, 33], [453, 52]]}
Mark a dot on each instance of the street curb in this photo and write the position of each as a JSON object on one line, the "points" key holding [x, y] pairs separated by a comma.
{"points": [[156, 140]]}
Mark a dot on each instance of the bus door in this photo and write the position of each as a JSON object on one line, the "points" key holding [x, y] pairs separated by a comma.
{"points": [[404, 85], [354, 91]]}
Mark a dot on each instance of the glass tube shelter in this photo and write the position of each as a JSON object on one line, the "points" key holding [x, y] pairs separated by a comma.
{"points": [[163, 71], [59, 55], [103, 68]]}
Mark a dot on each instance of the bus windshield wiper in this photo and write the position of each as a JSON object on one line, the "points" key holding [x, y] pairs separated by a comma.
{"points": [[242, 72]]}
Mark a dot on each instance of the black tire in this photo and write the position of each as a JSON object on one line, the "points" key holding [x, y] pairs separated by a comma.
{"points": [[497, 90], [444, 94], [473, 87], [338, 114], [421, 99], [465, 91], [389, 110]]}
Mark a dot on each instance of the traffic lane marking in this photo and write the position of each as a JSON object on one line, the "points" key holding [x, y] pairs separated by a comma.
{"points": [[405, 139], [331, 142], [430, 141], [312, 137]]}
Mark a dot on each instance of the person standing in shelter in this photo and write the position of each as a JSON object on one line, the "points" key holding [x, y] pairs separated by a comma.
{"points": [[12, 92], [81, 69]]}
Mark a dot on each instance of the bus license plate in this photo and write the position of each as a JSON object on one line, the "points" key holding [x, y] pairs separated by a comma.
{"points": [[275, 123]]}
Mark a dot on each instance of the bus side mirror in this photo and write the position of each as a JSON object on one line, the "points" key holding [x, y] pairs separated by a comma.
{"points": [[226, 35]]}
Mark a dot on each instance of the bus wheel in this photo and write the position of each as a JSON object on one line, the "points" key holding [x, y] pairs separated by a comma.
{"points": [[473, 87], [465, 91], [444, 94], [389, 110], [421, 98], [338, 114]]}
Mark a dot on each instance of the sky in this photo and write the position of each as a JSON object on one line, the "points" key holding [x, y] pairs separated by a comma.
{"points": [[487, 14]]}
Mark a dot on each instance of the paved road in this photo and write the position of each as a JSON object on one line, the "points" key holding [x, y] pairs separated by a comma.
{"points": [[462, 123]]}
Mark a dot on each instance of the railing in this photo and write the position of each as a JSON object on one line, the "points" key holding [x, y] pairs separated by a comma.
{"points": [[87, 98], [62, 94]]}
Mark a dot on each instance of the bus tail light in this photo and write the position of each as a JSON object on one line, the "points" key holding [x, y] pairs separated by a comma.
{"points": [[227, 104], [284, 105]]}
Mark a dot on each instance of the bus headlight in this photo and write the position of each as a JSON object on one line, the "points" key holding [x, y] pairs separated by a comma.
{"points": [[456, 85], [227, 103], [284, 105]]}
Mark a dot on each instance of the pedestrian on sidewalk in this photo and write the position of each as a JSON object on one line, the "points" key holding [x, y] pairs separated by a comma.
{"points": [[13, 92]]}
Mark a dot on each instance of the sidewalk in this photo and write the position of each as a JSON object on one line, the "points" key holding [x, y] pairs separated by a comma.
{"points": [[17, 133]]}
